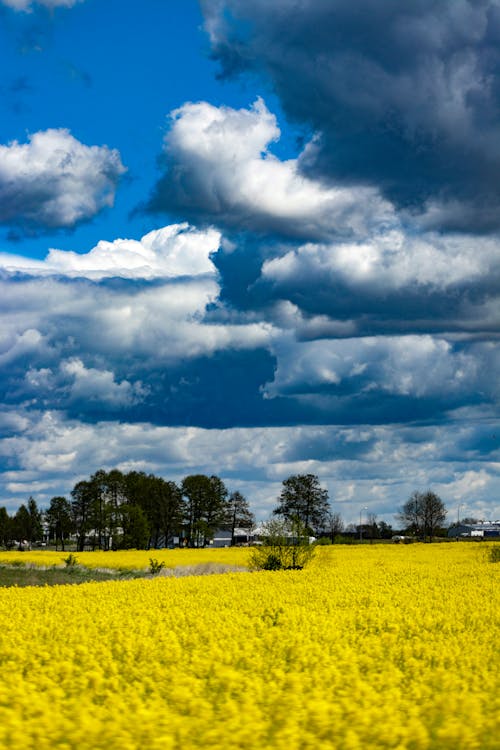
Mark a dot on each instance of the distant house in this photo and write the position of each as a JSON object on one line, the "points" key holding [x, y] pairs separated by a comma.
{"points": [[222, 538], [480, 530]]}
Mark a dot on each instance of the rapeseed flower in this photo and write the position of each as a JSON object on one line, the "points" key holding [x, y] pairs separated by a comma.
{"points": [[370, 647]]}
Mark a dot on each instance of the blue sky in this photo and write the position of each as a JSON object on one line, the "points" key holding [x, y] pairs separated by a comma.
{"points": [[252, 239]]}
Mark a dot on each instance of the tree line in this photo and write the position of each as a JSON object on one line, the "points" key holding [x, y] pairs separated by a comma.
{"points": [[116, 510]]}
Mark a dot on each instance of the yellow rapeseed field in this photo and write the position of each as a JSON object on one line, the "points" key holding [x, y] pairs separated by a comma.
{"points": [[369, 647], [132, 559]]}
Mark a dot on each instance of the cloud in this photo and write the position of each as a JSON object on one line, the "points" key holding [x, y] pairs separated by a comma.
{"points": [[343, 332], [46, 454], [172, 251], [366, 269], [134, 328], [55, 181], [100, 385], [392, 260], [165, 321], [219, 168], [25, 5], [420, 367], [404, 96], [396, 281]]}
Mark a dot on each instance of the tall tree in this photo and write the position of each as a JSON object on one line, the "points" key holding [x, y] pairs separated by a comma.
{"points": [[385, 529], [166, 508], [302, 498], [423, 513], [59, 519], [5, 527], [96, 505], [135, 527], [205, 508], [195, 488], [239, 513], [28, 522], [216, 508], [113, 489], [82, 510], [104, 508]]}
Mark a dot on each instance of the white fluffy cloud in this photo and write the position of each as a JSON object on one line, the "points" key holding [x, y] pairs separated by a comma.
{"points": [[117, 339], [172, 251], [46, 454], [99, 341], [152, 326], [100, 385], [56, 181], [221, 166], [410, 366], [391, 261]]}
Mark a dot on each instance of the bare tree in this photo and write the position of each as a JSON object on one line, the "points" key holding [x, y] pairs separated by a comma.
{"points": [[334, 525], [423, 513]]}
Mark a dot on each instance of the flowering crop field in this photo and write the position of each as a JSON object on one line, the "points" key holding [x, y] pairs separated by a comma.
{"points": [[132, 559], [369, 647]]}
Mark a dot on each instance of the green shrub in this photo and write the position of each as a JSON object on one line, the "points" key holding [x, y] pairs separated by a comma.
{"points": [[155, 566], [285, 547], [323, 541], [70, 561], [271, 562], [495, 553]]}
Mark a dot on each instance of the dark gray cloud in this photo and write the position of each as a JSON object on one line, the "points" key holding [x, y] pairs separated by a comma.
{"points": [[404, 96]]}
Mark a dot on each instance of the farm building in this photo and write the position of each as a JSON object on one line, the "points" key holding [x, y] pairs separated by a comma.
{"points": [[480, 530], [222, 538]]}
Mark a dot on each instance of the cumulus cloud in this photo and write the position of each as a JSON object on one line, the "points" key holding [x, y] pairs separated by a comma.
{"points": [[415, 367], [161, 323], [220, 168], [392, 260], [55, 181], [153, 341], [404, 95], [100, 385], [400, 281], [46, 454], [83, 384], [19, 344], [141, 328], [172, 251]]}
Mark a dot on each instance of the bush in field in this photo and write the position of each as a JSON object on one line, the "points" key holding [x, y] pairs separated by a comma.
{"points": [[155, 566], [323, 541], [495, 553], [285, 547]]}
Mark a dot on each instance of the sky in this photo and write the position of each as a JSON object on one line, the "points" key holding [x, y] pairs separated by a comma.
{"points": [[252, 239]]}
